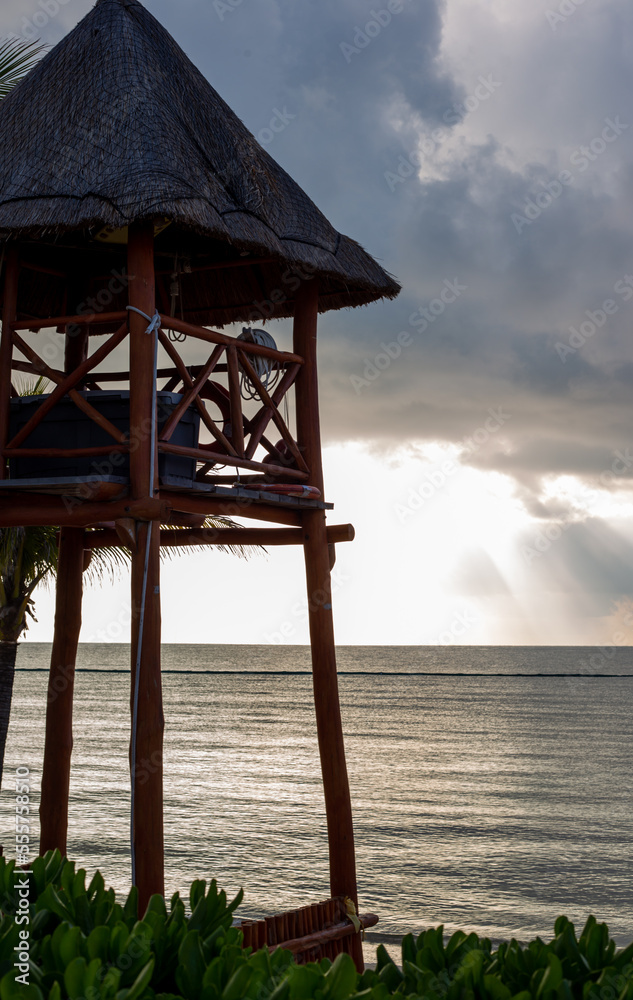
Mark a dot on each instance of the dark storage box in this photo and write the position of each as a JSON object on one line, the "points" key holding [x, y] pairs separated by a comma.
{"points": [[66, 426]]}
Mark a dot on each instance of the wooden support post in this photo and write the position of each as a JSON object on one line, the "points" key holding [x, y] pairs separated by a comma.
{"points": [[59, 706], [77, 337], [9, 314], [146, 748], [307, 384], [338, 805], [142, 296]]}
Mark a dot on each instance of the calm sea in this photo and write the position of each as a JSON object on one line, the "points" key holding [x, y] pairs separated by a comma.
{"points": [[491, 786]]}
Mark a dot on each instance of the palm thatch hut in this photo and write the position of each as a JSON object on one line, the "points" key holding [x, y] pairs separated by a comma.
{"points": [[133, 201]]}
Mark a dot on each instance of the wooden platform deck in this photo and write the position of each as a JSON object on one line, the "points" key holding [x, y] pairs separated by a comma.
{"points": [[96, 488]]}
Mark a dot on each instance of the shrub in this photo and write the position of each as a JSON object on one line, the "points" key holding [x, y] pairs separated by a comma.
{"points": [[84, 945]]}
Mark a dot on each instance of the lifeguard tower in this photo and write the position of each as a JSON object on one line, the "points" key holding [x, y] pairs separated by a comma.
{"points": [[138, 218]]}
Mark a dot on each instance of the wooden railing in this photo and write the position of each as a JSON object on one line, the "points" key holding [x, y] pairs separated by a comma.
{"points": [[231, 356], [311, 933]]}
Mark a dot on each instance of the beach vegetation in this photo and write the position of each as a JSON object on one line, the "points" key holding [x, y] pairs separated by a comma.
{"points": [[74, 940]]}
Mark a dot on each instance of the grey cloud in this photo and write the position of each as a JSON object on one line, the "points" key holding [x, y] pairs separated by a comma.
{"points": [[497, 344]]}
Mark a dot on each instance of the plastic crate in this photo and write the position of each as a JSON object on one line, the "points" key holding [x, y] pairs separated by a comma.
{"points": [[66, 426]]}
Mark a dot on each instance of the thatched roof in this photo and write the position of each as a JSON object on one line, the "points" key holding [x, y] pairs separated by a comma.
{"points": [[117, 125]]}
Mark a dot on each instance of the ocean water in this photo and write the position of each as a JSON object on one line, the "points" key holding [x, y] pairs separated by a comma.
{"points": [[491, 786]]}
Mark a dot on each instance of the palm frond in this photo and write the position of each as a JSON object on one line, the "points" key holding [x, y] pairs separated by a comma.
{"points": [[37, 547], [28, 387], [213, 522], [17, 58], [108, 561], [106, 564]]}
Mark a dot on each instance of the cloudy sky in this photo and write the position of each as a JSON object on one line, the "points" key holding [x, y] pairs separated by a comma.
{"points": [[478, 429]]}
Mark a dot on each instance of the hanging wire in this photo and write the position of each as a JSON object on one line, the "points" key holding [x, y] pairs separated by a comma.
{"points": [[175, 291], [265, 368]]}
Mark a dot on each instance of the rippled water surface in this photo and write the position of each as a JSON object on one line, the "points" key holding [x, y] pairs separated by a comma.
{"points": [[492, 803]]}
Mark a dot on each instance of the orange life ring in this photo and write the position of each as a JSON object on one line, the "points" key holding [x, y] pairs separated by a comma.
{"points": [[284, 489], [217, 394]]}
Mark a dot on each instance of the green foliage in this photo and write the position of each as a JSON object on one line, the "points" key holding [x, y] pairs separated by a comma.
{"points": [[466, 968], [85, 945], [16, 59]]}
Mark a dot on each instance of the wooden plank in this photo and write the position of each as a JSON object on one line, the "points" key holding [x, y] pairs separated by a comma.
{"points": [[59, 704], [26, 509], [9, 312], [190, 396], [94, 319], [213, 337], [87, 487], [241, 463], [107, 449], [29, 369], [221, 265], [336, 932], [239, 507]]}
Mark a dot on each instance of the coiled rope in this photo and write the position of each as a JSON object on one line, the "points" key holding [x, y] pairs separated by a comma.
{"points": [[265, 368]]}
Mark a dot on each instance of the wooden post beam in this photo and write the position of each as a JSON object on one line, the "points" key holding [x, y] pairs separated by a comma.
{"points": [[306, 385], [27, 509], [338, 806], [142, 296], [240, 507], [59, 705], [146, 704], [213, 337], [146, 744], [77, 337], [109, 538]]}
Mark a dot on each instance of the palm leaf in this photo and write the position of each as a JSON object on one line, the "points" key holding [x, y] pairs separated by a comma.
{"points": [[17, 58], [107, 561], [215, 521]]}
